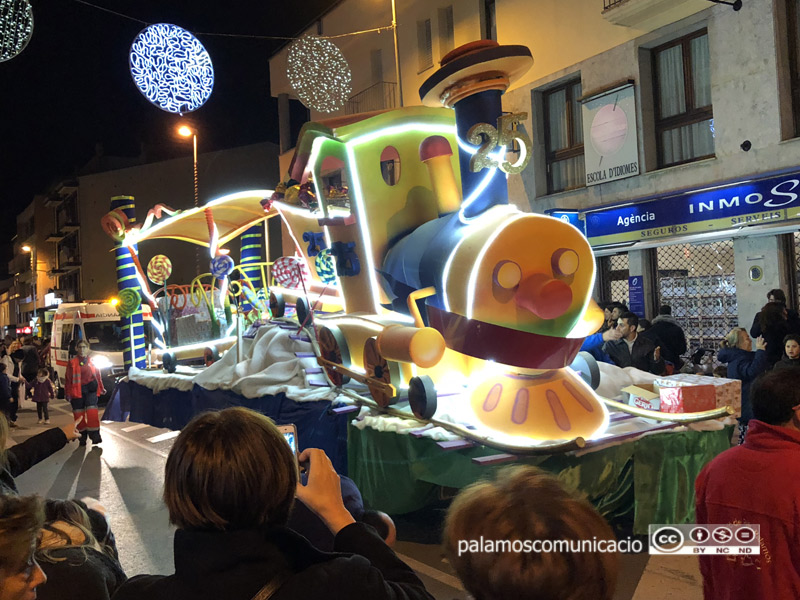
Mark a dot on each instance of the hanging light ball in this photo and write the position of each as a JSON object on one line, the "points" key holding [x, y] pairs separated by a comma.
{"points": [[171, 68], [319, 73], [16, 27]]}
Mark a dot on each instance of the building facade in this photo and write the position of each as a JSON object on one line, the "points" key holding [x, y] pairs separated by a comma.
{"points": [[73, 256], [667, 130]]}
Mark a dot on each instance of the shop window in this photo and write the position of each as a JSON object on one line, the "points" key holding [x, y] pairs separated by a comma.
{"points": [[424, 45], [698, 282], [793, 26], [614, 272], [489, 20], [684, 115], [564, 138], [796, 263], [446, 30]]}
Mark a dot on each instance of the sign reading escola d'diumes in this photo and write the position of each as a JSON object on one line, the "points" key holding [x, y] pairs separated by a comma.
{"points": [[610, 146]]}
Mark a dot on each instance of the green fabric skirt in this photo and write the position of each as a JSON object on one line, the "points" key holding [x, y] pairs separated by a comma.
{"points": [[650, 480]]}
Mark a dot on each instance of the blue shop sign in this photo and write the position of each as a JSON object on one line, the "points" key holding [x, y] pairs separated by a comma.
{"points": [[723, 207], [568, 216], [636, 295]]}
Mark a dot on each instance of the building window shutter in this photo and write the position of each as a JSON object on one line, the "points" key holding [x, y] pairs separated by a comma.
{"points": [[424, 44]]}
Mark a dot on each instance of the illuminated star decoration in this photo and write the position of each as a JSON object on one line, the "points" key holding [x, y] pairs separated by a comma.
{"points": [[319, 74], [16, 27], [171, 68]]}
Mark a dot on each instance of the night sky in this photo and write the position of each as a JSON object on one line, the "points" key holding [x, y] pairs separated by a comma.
{"points": [[71, 88]]}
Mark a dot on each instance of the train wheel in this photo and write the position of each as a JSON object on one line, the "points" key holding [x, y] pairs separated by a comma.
{"points": [[378, 368], [211, 355], [277, 305], [333, 347], [169, 362], [422, 397], [303, 311]]}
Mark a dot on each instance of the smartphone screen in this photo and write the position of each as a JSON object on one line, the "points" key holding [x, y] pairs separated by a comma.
{"points": [[290, 435]]}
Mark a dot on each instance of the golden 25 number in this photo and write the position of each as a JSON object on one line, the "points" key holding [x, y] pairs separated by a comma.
{"points": [[489, 138]]}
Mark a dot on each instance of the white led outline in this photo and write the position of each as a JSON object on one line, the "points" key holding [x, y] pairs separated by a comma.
{"points": [[171, 68], [446, 270], [373, 281]]}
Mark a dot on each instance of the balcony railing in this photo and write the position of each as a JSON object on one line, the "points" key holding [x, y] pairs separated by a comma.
{"points": [[379, 96], [611, 3], [650, 15]]}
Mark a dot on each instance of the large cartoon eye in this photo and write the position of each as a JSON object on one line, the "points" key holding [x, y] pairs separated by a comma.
{"points": [[507, 274], [564, 262]]}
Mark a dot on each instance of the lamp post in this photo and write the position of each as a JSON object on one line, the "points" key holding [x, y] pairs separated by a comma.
{"points": [[34, 270], [187, 131]]}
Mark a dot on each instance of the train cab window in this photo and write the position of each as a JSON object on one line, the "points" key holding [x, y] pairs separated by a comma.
{"points": [[390, 165], [335, 185]]}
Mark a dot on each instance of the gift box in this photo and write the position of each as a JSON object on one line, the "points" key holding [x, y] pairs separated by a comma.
{"points": [[687, 398], [727, 392], [643, 396]]}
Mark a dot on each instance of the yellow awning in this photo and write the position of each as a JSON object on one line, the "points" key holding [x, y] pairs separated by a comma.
{"points": [[233, 215]]}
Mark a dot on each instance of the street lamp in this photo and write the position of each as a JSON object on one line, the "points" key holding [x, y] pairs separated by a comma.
{"points": [[187, 131]]}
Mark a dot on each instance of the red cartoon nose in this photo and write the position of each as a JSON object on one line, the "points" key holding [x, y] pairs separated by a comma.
{"points": [[544, 296]]}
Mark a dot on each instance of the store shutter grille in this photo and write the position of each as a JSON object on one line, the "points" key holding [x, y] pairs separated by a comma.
{"points": [[698, 282], [615, 268]]}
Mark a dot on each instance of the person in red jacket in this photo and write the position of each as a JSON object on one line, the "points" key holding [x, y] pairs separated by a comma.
{"points": [[758, 483], [83, 384]]}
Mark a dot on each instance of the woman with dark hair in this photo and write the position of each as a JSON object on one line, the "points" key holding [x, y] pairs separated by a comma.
{"points": [[774, 327], [229, 485], [77, 553], [20, 522]]}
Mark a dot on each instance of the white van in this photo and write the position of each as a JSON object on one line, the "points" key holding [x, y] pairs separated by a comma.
{"points": [[99, 324]]}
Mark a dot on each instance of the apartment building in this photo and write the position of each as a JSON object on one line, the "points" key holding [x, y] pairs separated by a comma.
{"points": [[667, 130]]}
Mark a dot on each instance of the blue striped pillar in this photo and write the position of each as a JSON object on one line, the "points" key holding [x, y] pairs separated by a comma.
{"points": [[126, 278], [252, 241]]}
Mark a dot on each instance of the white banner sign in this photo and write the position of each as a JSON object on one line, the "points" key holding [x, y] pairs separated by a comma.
{"points": [[609, 131]]}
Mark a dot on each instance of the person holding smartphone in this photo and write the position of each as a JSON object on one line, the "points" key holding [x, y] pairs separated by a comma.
{"points": [[229, 485]]}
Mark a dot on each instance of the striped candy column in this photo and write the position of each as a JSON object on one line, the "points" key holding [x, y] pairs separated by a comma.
{"points": [[252, 241], [127, 279]]}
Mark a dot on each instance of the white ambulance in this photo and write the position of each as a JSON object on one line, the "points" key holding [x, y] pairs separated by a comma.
{"points": [[99, 324]]}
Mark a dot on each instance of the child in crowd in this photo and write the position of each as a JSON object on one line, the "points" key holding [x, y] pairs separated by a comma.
{"points": [[43, 391], [791, 352], [526, 504]]}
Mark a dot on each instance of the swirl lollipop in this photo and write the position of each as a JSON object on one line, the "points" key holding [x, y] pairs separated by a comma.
{"points": [[159, 269], [129, 302], [222, 266], [324, 265]]}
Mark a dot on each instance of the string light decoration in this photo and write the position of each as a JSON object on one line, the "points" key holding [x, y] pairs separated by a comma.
{"points": [[171, 68], [319, 73], [16, 27]]}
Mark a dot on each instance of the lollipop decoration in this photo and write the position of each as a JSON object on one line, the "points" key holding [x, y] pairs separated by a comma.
{"points": [[290, 272], [319, 74], [324, 265], [129, 302], [16, 27], [159, 269], [222, 266]]}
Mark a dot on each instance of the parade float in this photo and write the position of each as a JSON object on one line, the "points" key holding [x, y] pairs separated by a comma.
{"points": [[417, 296]]}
